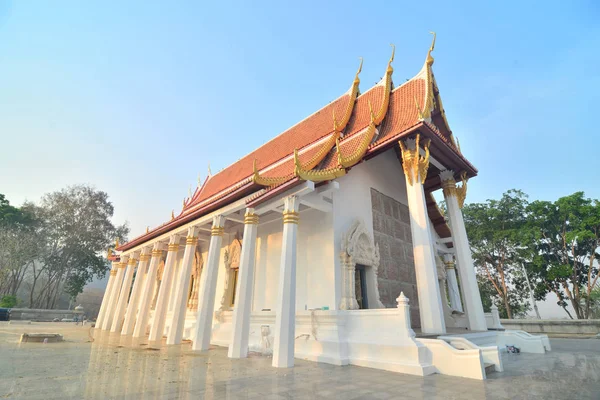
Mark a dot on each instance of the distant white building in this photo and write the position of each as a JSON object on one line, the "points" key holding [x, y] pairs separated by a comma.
{"points": [[324, 244]]}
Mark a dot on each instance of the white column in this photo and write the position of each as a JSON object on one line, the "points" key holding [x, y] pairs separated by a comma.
{"points": [[114, 295], [160, 312], [132, 306], [106, 297], [238, 348], [285, 319], [466, 269], [430, 302], [452, 283], [148, 290], [117, 323], [208, 286], [181, 288]]}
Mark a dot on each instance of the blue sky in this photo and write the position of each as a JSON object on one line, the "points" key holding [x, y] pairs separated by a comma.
{"points": [[137, 98]]}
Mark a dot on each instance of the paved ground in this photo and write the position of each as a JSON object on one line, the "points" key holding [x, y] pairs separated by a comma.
{"points": [[110, 368]]}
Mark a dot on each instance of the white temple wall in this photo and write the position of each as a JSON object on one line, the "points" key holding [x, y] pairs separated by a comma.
{"points": [[353, 199], [314, 265]]}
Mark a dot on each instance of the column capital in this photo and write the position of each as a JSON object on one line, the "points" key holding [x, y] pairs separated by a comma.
{"points": [[291, 203], [450, 188], [218, 226], [250, 218], [132, 261], [123, 262], [192, 231], [415, 166], [290, 210]]}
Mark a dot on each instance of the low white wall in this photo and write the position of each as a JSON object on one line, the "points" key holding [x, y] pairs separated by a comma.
{"points": [[556, 327], [41, 315]]}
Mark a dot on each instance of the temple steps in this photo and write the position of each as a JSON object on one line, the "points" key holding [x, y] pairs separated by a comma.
{"points": [[489, 368]]}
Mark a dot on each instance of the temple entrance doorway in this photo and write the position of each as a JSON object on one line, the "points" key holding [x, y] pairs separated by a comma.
{"points": [[360, 282]]}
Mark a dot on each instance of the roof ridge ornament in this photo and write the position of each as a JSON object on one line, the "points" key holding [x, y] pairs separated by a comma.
{"points": [[429, 100], [363, 146], [429, 60], [389, 67], [387, 79], [356, 78], [316, 175], [256, 178]]}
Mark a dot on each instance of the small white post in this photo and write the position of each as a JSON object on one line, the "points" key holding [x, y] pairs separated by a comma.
{"points": [[404, 311], [117, 323], [496, 317]]}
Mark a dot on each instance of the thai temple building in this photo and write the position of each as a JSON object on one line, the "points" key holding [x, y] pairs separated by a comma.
{"points": [[325, 244]]}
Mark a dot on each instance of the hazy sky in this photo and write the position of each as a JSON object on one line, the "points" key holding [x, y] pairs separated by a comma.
{"points": [[136, 98]]}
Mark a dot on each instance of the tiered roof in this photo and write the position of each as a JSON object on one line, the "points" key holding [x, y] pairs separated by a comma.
{"points": [[328, 143]]}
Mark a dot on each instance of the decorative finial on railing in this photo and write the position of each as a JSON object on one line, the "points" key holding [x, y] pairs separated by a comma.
{"points": [[402, 300]]}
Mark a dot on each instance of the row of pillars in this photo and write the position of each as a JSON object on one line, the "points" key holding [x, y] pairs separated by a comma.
{"points": [[126, 309]]}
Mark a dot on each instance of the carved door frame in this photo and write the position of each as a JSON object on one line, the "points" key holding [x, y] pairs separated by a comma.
{"points": [[358, 247]]}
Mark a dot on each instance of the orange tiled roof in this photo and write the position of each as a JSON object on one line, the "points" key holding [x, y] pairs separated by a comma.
{"points": [[275, 158]]}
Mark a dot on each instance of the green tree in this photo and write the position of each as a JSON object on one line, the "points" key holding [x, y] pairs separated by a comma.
{"points": [[8, 301], [18, 246], [566, 236], [77, 227], [496, 235]]}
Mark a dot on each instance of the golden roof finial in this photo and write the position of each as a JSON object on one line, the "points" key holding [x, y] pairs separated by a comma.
{"points": [[209, 171], [172, 214], [389, 67], [116, 242], [335, 123], [430, 59], [190, 191], [147, 229], [371, 111], [199, 180], [109, 253], [356, 79], [184, 202], [297, 164]]}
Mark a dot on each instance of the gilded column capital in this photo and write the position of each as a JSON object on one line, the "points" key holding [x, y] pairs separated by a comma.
{"points": [[218, 226], [173, 247], [191, 240], [157, 253], [290, 210], [415, 166], [122, 264], [113, 272], [450, 188], [144, 257], [132, 261], [250, 218], [291, 217]]}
